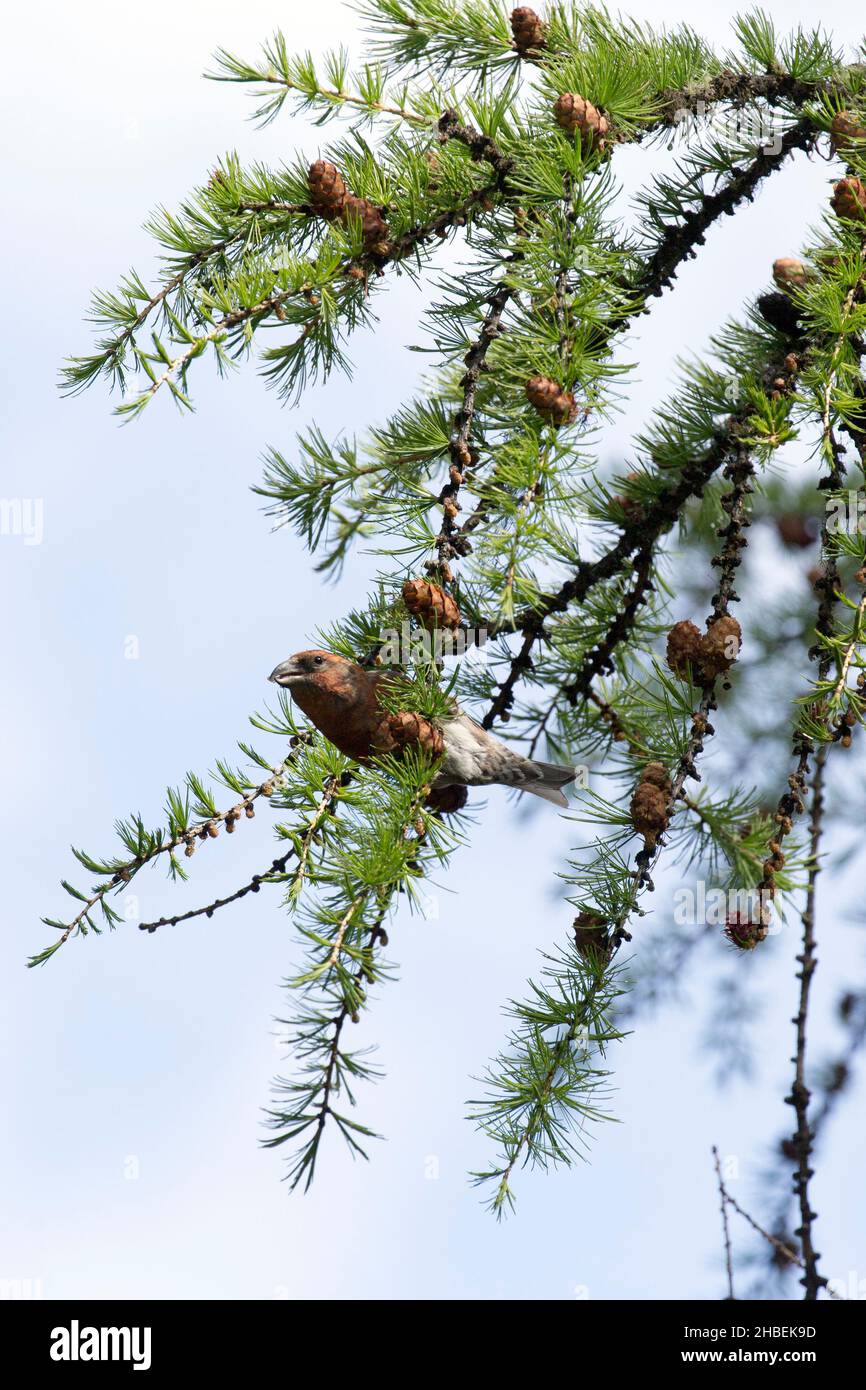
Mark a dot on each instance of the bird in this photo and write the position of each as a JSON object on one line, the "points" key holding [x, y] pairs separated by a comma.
{"points": [[341, 699]]}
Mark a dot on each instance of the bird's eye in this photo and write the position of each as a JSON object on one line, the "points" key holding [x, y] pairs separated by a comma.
{"points": [[318, 660]]}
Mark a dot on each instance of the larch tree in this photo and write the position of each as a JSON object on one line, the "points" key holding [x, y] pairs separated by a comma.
{"points": [[592, 615]]}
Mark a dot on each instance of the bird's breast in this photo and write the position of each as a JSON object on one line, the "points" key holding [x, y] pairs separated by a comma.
{"points": [[345, 722]]}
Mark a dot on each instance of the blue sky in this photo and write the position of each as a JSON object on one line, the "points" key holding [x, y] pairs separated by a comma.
{"points": [[134, 1066]]}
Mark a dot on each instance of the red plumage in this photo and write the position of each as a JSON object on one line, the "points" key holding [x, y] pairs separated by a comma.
{"points": [[342, 699]]}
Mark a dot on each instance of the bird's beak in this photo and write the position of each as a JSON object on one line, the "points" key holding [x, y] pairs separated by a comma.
{"points": [[287, 672]]}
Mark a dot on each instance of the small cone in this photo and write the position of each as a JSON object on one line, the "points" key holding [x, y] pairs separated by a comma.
{"points": [[789, 273], [591, 937], [551, 400], [849, 200], [720, 646], [795, 531], [327, 189], [574, 113], [649, 811], [394, 732], [743, 933], [846, 133], [684, 648], [430, 604], [528, 31], [780, 313], [656, 775], [373, 224]]}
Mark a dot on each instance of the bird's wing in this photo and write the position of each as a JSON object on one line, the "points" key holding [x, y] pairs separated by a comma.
{"points": [[476, 758]]}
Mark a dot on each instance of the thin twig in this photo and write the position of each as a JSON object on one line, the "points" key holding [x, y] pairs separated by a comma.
{"points": [[276, 873], [812, 1280], [723, 1204], [200, 830], [728, 1201], [459, 443]]}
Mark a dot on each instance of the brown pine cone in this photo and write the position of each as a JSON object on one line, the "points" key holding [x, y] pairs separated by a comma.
{"points": [[816, 575], [656, 775], [430, 605], [849, 200], [590, 936], [574, 113], [327, 189], [447, 799], [845, 132], [551, 400], [720, 646], [373, 224], [789, 273], [649, 811], [795, 530], [395, 732], [780, 313], [744, 933], [528, 31], [684, 647]]}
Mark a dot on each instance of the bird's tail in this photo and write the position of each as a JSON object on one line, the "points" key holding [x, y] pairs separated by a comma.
{"points": [[548, 786]]}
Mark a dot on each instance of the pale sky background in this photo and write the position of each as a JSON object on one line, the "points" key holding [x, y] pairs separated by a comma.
{"points": [[155, 1053]]}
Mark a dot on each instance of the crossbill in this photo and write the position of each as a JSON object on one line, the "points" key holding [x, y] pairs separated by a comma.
{"points": [[342, 700]]}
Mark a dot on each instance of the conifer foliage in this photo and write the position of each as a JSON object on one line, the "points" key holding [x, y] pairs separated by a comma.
{"points": [[498, 133]]}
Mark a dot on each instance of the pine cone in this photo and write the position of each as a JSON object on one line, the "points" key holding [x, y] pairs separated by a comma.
{"points": [[447, 799], [720, 646], [816, 575], [649, 811], [574, 113], [394, 732], [780, 313], [656, 775], [849, 199], [795, 530], [789, 273], [551, 400], [373, 224], [327, 189], [590, 936], [743, 933], [528, 31], [845, 132], [684, 647], [430, 605]]}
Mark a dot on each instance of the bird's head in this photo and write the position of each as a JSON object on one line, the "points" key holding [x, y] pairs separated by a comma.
{"points": [[309, 668], [328, 688], [320, 674]]}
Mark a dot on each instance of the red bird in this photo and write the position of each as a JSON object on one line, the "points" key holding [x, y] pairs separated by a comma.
{"points": [[341, 699]]}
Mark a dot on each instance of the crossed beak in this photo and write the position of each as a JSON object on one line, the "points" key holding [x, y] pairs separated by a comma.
{"points": [[287, 672]]}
